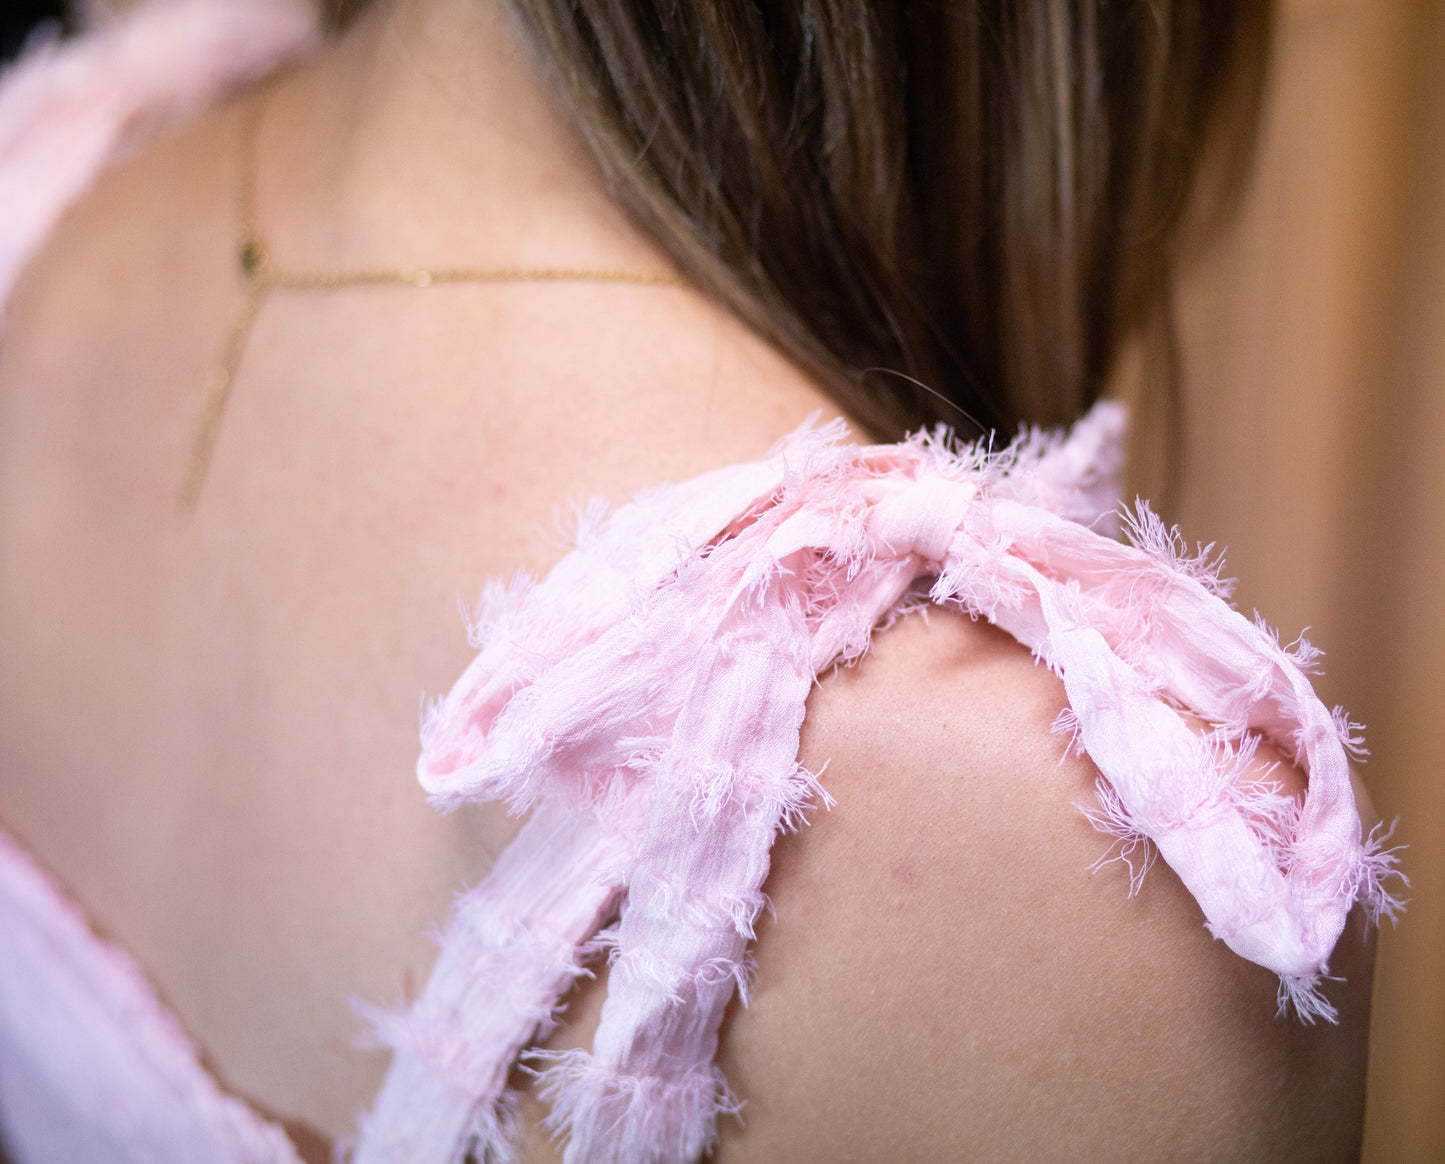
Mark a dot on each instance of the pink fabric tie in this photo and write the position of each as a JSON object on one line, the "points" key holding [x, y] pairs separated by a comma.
{"points": [[652, 688], [644, 702]]}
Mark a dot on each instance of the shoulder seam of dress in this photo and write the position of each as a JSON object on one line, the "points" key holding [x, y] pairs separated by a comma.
{"points": [[69, 108]]}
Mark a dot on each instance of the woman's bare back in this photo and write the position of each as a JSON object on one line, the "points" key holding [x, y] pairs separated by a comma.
{"points": [[210, 722]]}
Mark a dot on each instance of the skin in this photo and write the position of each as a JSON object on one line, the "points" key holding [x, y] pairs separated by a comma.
{"points": [[208, 726]]}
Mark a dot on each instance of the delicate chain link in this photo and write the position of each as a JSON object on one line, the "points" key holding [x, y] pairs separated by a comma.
{"points": [[262, 277]]}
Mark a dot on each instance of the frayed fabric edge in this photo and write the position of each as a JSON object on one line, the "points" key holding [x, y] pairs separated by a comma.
{"points": [[1002, 552], [644, 1119]]}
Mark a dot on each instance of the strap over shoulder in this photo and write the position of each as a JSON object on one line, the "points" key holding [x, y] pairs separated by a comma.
{"points": [[645, 700], [69, 108], [92, 1064]]}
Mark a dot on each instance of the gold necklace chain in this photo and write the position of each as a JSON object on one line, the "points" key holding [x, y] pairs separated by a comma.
{"points": [[262, 277]]}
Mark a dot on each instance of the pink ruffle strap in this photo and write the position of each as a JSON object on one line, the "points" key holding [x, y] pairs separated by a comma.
{"points": [[92, 1064], [70, 107], [651, 689]]}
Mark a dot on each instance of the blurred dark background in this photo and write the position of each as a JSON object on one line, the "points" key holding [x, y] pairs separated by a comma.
{"points": [[18, 17]]}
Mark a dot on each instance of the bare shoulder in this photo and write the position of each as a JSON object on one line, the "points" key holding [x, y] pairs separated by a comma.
{"points": [[945, 979]]}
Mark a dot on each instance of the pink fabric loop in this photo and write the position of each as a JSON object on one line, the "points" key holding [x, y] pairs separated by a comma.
{"points": [[524, 628], [674, 974], [684, 691], [509, 953], [920, 518]]}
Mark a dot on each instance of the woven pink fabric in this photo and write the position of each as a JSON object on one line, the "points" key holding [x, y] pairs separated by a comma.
{"points": [[92, 1065], [644, 701]]}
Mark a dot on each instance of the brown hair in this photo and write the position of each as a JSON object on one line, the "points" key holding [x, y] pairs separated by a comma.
{"points": [[942, 211]]}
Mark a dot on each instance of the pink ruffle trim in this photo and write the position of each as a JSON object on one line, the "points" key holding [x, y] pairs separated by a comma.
{"points": [[78, 1019], [645, 700], [70, 107]]}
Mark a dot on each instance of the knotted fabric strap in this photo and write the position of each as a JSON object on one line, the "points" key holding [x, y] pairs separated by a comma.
{"points": [[644, 702]]}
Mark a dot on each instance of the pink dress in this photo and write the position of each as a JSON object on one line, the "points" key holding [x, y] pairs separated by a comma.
{"points": [[644, 700]]}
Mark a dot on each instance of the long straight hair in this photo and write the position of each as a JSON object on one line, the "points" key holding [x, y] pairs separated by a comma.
{"points": [[942, 211]]}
